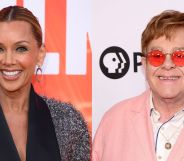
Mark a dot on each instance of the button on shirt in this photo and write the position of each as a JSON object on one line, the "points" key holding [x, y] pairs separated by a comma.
{"points": [[167, 132]]}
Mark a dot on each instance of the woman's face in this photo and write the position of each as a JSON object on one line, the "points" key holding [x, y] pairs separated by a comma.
{"points": [[166, 81], [19, 54]]}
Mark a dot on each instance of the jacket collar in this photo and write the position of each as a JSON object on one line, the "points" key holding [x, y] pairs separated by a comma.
{"points": [[142, 125], [41, 140], [144, 104]]}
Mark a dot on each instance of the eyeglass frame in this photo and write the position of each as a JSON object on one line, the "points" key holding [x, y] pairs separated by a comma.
{"points": [[164, 54]]}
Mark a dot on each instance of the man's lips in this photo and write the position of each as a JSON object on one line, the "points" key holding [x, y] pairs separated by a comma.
{"points": [[168, 77]]}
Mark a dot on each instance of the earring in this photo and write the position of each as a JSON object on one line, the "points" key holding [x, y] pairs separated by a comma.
{"points": [[39, 80], [38, 72]]}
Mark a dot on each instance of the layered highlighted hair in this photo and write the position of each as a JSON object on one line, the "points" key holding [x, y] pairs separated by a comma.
{"points": [[18, 13], [164, 24]]}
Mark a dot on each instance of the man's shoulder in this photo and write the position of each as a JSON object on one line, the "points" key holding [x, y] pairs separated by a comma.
{"points": [[124, 107]]}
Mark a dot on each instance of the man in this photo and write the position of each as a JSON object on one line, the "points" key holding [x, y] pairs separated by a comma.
{"points": [[149, 127]]}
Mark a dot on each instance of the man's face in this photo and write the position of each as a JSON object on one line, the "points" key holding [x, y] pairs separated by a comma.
{"points": [[167, 80]]}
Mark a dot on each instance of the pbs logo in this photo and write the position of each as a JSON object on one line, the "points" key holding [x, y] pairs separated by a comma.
{"points": [[114, 62]]}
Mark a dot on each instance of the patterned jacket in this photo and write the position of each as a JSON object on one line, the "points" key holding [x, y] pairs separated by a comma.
{"points": [[71, 131]]}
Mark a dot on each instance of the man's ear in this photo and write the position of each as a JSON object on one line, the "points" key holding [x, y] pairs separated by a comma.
{"points": [[144, 63], [41, 55]]}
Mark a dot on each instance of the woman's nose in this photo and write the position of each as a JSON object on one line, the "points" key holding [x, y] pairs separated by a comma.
{"points": [[8, 58]]}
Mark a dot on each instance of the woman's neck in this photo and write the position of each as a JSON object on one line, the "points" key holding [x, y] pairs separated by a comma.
{"points": [[16, 101]]}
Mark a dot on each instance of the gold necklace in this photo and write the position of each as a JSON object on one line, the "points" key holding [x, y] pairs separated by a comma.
{"points": [[168, 144]]}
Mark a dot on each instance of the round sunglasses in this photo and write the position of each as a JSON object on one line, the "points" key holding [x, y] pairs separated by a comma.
{"points": [[157, 57]]}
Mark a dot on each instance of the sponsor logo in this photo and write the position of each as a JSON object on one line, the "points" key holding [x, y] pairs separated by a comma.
{"points": [[114, 62]]}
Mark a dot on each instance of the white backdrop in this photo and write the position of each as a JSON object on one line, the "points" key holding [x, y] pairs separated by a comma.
{"points": [[120, 23]]}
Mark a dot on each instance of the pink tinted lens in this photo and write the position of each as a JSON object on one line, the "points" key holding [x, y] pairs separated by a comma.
{"points": [[155, 58], [178, 58]]}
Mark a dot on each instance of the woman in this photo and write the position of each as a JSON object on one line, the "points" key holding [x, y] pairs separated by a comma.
{"points": [[33, 128], [149, 127]]}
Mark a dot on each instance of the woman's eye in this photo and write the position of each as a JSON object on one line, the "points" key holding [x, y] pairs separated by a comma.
{"points": [[1, 49], [21, 49]]}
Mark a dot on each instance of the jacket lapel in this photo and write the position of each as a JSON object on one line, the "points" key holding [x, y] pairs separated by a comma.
{"points": [[42, 143], [8, 151], [143, 129]]}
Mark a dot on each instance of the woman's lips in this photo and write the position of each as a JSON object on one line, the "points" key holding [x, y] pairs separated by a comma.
{"points": [[11, 75]]}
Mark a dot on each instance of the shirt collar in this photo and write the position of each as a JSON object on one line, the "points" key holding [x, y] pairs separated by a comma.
{"points": [[156, 114]]}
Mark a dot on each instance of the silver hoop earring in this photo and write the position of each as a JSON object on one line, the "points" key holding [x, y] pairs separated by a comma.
{"points": [[38, 72]]}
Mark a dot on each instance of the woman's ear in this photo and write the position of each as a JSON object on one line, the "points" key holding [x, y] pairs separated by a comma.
{"points": [[41, 55]]}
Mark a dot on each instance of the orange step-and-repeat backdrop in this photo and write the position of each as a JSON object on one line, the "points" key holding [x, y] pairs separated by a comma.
{"points": [[67, 82]]}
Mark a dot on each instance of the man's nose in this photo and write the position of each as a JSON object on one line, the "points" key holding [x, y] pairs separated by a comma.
{"points": [[168, 63]]}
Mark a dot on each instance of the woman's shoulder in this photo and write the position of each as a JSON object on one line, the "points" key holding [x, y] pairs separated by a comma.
{"points": [[71, 130], [63, 111], [58, 108]]}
